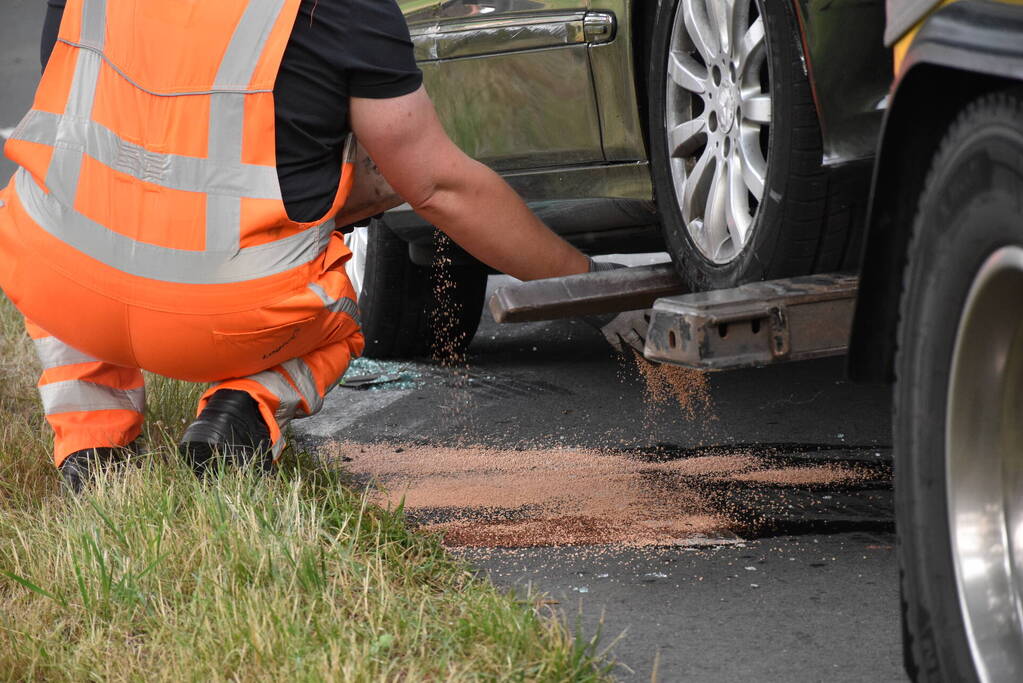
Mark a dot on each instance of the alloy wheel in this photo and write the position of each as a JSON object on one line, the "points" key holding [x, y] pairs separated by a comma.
{"points": [[718, 118], [984, 466]]}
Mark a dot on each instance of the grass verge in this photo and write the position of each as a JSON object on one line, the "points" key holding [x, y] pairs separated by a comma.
{"points": [[154, 575]]}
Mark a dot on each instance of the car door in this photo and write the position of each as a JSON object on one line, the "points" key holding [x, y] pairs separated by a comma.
{"points": [[511, 79]]}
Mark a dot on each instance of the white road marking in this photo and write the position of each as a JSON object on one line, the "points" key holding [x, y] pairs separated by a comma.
{"points": [[6, 132]]}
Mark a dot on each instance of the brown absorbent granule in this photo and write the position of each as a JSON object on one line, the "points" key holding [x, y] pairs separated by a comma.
{"points": [[706, 465], [829, 474], [488, 497], [688, 388], [446, 312], [576, 530]]}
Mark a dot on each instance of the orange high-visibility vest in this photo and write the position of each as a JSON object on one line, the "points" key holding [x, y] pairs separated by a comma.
{"points": [[148, 162]]}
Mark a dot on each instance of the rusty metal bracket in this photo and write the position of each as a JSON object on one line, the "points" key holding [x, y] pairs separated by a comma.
{"points": [[755, 324], [780, 346], [625, 289]]}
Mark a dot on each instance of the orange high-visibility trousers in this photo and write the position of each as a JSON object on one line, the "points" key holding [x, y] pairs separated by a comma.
{"points": [[287, 354], [89, 403]]}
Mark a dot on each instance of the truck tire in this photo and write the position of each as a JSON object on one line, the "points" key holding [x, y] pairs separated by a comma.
{"points": [[958, 400], [735, 148], [410, 311]]}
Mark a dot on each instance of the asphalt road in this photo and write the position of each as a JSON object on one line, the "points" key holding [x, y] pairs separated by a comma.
{"points": [[21, 23], [810, 596]]}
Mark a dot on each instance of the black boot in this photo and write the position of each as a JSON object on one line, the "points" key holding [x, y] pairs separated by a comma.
{"points": [[228, 431], [81, 467]]}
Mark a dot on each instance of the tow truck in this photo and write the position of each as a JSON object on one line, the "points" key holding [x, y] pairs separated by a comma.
{"points": [[935, 310]]}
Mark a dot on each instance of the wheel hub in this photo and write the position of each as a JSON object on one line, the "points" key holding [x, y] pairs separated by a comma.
{"points": [[728, 105]]}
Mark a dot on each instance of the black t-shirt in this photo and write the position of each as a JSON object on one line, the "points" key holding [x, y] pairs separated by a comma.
{"points": [[338, 49]]}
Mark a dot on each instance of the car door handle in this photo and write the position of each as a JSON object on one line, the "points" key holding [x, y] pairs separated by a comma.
{"points": [[479, 36]]}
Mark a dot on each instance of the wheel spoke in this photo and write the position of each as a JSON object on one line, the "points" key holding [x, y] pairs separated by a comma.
{"points": [[739, 218], [699, 28], [737, 17], [757, 109], [752, 42], [684, 138], [715, 222], [719, 13], [686, 72], [696, 186], [754, 167]]}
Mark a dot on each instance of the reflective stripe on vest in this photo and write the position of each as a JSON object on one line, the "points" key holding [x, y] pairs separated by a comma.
{"points": [[189, 174], [221, 176], [163, 263]]}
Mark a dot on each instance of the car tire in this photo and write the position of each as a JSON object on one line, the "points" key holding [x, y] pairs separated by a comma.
{"points": [[411, 311], [959, 378], [737, 168]]}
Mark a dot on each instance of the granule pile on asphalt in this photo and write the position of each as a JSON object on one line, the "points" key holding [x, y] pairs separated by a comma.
{"points": [[486, 497], [482, 497]]}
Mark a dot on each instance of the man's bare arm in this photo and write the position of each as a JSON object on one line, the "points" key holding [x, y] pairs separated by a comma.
{"points": [[463, 198], [371, 193]]}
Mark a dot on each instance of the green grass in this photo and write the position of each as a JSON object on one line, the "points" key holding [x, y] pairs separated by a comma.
{"points": [[154, 575]]}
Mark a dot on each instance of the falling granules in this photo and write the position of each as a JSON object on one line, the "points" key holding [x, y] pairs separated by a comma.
{"points": [[665, 384], [448, 339], [448, 336], [487, 497]]}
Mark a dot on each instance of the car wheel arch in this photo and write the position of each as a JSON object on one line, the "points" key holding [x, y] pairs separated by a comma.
{"points": [[644, 14], [913, 126], [965, 49]]}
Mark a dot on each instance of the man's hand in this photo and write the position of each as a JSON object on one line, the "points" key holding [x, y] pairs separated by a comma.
{"points": [[627, 329], [620, 329]]}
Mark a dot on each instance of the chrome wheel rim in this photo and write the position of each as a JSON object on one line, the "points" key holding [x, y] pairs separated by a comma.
{"points": [[718, 119], [984, 466], [358, 242]]}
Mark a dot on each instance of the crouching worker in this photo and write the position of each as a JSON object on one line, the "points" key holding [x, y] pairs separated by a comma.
{"points": [[180, 177]]}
